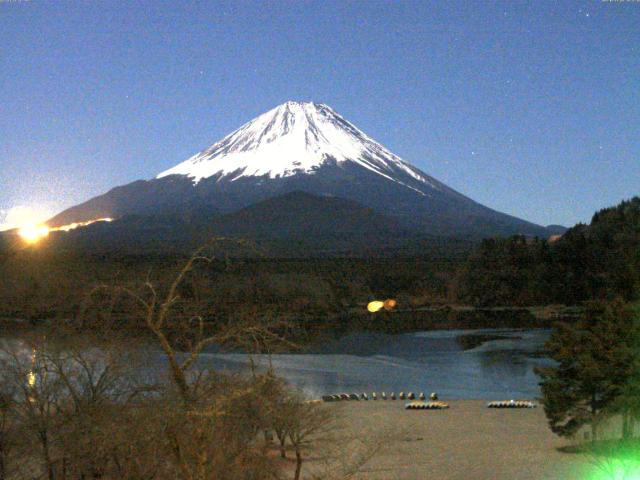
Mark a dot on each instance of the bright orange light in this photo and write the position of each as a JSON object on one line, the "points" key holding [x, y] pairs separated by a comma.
{"points": [[72, 226], [33, 233], [390, 304], [375, 306]]}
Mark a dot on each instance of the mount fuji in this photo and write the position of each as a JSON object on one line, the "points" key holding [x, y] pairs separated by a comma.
{"points": [[308, 148]]}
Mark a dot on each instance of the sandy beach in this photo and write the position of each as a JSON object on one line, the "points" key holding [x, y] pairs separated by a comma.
{"points": [[467, 441]]}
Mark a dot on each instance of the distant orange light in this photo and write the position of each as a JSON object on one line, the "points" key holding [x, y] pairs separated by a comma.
{"points": [[73, 226], [390, 304], [31, 379], [33, 233], [375, 306]]}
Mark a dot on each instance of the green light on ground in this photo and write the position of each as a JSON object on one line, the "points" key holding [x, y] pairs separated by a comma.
{"points": [[617, 469]]}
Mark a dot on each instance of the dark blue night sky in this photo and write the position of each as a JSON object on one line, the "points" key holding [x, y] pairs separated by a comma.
{"points": [[532, 108]]}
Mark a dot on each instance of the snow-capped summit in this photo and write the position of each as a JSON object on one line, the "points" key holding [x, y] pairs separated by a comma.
{"points": [[294, 138], [301, 147]]}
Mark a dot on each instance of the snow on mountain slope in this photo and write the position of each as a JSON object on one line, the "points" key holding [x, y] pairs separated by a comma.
{"points": [[295, 138], [304, 147]]}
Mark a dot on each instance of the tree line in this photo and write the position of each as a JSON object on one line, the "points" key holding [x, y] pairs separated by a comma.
{"points": [[596, 261]]}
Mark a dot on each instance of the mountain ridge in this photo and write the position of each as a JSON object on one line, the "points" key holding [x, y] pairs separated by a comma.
{"points": [[302, 146], [296, 224]]}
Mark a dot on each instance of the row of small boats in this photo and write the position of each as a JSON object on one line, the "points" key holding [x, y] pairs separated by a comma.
{"points": [[426, 406], [512, 404], [374, 396], [422, 404]]}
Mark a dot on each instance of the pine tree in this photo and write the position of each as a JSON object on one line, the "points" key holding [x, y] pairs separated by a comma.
{"points": [[596, 365], [628, 403]]}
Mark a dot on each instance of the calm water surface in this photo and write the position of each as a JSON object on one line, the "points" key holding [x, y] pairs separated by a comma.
{"points": [[422, 361], [450, 362]]}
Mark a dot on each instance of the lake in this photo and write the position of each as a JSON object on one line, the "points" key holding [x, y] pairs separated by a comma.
{"points": [[457, 364]]}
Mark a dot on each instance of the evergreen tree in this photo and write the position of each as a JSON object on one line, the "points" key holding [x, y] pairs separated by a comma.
{"points": [[628, 403], [596, 365]]}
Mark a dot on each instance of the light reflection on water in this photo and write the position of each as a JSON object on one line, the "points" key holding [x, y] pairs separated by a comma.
{"points": [[419, 362]]}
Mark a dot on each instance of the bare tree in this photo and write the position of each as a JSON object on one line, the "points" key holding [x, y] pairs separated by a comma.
{"points": [[38, 395], [183, 339], [99, 385], [6, 426], [210, 422], [307, 421], [78, 396]]}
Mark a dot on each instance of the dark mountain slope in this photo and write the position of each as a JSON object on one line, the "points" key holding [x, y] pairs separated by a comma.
{"points": [[302, 147]]}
